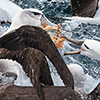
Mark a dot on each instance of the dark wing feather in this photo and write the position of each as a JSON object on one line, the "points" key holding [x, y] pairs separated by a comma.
{"points": [[29, 36]]}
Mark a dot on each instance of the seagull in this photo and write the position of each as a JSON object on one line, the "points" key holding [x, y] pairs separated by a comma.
{"points": [[20, 17], [90, 48]]}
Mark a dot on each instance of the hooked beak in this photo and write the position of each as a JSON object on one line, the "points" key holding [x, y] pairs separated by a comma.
{"points": [[76, 42], [46, 24], [73, 52]]}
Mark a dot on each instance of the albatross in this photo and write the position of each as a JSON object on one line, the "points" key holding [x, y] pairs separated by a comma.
{"points": [[37, 38], [26, 31], [90, 48], [32, 17], [10, 12]]}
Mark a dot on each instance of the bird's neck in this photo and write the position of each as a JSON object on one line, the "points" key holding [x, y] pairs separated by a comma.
{"points": [[17, 22], [12, 27]]}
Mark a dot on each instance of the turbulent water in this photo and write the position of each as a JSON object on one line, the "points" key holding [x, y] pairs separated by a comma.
{"points": [[61, 8]]}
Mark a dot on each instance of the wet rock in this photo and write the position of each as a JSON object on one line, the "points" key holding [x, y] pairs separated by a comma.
{"points": [[84, 8]]}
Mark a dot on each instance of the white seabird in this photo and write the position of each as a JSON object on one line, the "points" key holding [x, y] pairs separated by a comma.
{"points": [[90, 48], [13, 70], [78, 76], [18, 17], [21, 17], [32, 17]]}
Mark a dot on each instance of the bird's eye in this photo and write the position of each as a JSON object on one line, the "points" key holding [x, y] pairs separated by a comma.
{"points": [[36, 13], [86, 46]]}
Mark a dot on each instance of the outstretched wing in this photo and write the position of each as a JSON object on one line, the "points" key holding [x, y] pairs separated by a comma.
{"points": [[34, 37], [8, 10]]}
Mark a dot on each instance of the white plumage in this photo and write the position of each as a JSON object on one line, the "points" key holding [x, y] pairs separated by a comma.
{"points": [[78, 76], [25, 17], [10, 66], [19, 17], [91, 48], [8, 10], [7, 65]]}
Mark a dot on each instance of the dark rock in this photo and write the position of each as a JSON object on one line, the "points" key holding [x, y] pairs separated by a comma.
{"points": [[84, 8]]}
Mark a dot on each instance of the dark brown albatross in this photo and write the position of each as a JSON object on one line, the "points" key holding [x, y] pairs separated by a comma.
{"points": [[37, 38]]}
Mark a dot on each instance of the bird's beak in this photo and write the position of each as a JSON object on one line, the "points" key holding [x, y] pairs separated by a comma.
{"points": [[76, 42], [46, 24], [73, 52]]}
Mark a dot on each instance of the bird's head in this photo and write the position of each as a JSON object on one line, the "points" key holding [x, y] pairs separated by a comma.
{"points": [[90, 48], [33, 17]]}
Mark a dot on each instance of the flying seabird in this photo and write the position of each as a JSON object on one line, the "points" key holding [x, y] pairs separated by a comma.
{"points": [[35, 17], [30, 16], [90, 48]]}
